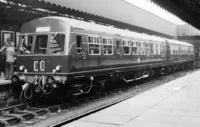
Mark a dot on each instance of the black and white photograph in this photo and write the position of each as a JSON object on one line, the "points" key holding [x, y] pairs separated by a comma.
{"points": [[99, 63]]}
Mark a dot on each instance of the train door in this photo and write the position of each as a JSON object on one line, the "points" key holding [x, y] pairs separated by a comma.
{"points": [[80, 51], [168, 50], [118, 49], [107, 51]]}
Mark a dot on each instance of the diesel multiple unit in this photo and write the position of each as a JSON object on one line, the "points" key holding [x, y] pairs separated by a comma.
{"points": [[64, 57]]}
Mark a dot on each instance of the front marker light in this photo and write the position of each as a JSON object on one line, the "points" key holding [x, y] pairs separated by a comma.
{"points": [[58, 68], [21, 68], [54, 71]]}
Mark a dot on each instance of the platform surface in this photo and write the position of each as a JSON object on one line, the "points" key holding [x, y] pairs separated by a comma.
{"points": [[174, 104]]}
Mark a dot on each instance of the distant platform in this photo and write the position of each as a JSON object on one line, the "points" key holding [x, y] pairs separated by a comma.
{"points": [[174, 104]]}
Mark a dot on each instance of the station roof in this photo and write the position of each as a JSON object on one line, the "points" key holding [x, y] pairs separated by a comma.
{"points": [[187, 10], [20, 11]]}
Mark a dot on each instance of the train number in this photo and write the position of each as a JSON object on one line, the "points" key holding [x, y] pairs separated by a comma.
{"points": [[39, 66]]}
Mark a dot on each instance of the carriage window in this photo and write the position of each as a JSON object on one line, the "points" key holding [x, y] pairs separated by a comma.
{"points": [[94, 45], [143, 48], [147, 48], [139, 45], [57, 44], [25, 44], [155, 49], [126, 47], [171, 49], [78, 44], [134, 48], [41, 44], [107, 46], [151, 48], [117, 45], [162, 49]]}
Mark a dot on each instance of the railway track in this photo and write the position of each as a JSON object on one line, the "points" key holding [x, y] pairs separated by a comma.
{"points": [[29, 114]]}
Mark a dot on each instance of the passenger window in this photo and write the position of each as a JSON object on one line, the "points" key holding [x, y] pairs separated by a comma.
{"points": [[117, 45], [151, 48], [134, 48], [171, 48], [146, 48], [107, 46], [78, 44], [57, 44], [126, 47], [94, 45], [139, 48], [162, 49], [41, 44], [155, 49]]}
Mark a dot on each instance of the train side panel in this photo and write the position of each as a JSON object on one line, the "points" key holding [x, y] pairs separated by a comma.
{"points": [[121, 57]]}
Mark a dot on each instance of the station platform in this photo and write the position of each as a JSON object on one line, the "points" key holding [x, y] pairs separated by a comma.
{"points": [[174, 104], [3, 81]]}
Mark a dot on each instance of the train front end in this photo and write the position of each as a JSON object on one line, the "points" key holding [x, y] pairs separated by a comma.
{"points": [[42, 57]]}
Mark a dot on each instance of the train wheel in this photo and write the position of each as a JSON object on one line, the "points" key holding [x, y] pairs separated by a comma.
{"points": [[70, 97], [99, 87]]}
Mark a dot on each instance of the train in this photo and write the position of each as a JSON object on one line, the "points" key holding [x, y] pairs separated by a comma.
{"points": [[62, 57]]}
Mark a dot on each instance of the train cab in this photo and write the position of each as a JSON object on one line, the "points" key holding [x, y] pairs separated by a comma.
{"points": [[41, 42]]}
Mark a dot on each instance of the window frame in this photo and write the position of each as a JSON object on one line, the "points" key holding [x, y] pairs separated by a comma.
{"points": [[108, 40], [95, 39], [123, 45], [133, 44], [64, 45], [47, 45]]}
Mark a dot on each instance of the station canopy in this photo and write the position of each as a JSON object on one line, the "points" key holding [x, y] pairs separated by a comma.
{"points": [[19, 11], [187, 10]]}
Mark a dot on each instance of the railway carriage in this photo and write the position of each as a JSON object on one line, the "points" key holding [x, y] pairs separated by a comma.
{"points": [[62, 56]]}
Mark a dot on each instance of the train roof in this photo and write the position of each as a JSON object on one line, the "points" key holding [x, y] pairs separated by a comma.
{"points": [[171, 41], [101, 28], [112, 30]]}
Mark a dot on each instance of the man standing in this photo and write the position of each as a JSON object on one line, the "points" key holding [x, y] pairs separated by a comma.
{"points": [[10, 59], [2, 59]]}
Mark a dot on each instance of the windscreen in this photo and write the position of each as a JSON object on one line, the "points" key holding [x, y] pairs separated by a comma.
{"points": [[57, 44], [41, 44], [26, 42]]}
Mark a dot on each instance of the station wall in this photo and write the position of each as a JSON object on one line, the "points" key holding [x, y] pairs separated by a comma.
{"points": [[121, 11]]}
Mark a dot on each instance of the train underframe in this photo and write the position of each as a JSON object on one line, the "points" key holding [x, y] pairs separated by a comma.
{"points": [[53, 87]]}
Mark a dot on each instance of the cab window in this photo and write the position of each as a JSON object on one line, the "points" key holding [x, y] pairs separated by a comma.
{"points": [[57, 44], [41, 44], [25, 44]]}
